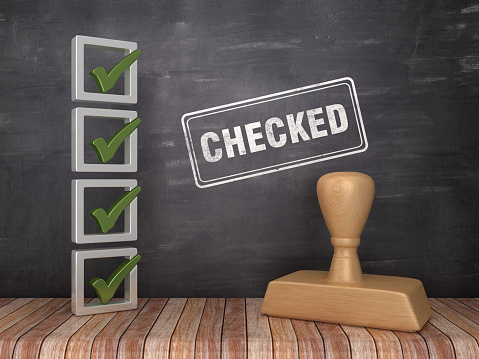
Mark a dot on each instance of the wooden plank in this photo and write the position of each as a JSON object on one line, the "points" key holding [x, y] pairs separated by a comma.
{"points": [[233, 341], [157, 343], [208, 339], [472, 328], [285, 344], [55, 343], [361, 342], [131, 342], [413, 345], [13, 305], [336, 343], [106, 342], [310, 342], [14, 317], [29, 344], [462, 308], [259, 341], [387, 343], [471, 302], [200, 327], [438, 345], [184, 336], [9, 337], [465, 345], [4, 301], [80, 344]]}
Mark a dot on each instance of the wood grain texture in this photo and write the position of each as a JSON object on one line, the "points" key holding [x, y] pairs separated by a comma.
{"points": [[4, 301], [336, 343], [158, 341], [471, 302], [184, 336], [285, 344], [310, 342], [10, 319], [413, 345], [80, 344], [55, 344], [29, 344], [461, 308], [260, 343], [106, 342], [208, 339], [455, 317], [233, 340], [386, 302], [13, 305], [132, 341], [345, 199], [231, 328], [465, 346], [387, 344], [438, 344], [361, 342], [9, 337]]}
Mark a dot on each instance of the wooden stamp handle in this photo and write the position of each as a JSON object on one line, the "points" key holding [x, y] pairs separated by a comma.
{"points": [[345, 199]]}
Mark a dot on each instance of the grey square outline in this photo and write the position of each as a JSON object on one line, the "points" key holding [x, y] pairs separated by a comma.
{"points": [[78, 141], [78, 204], [78, 277], [79, 43]]}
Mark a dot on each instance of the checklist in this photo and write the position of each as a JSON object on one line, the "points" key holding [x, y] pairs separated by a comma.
{"points": [[106, 148]]}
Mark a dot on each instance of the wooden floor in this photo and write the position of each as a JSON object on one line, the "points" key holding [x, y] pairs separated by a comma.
{"points": [[222, 328]]}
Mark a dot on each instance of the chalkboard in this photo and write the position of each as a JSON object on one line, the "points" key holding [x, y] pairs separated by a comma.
{"points": [[415, 65]]}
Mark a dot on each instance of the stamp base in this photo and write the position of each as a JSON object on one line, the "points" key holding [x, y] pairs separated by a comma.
{"points": [[385, 302]]}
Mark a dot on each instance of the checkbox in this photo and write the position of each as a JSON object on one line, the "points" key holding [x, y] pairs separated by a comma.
{"points": [[78, 212], [130, 299], [78, 141], [79, 43]]}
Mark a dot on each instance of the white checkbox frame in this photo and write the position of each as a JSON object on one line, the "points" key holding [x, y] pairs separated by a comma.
{"points": [[78, 141], [130, 300], [79, 43], [78, 210]]}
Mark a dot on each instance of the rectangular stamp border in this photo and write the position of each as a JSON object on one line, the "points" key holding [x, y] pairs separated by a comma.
{"points": [[283, 166]]}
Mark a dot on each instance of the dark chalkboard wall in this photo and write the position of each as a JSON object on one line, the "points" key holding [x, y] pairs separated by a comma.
{"points": [[416, 69]]}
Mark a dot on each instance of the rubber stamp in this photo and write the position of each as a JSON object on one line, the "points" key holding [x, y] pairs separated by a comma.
{"points": [[344, 294]]}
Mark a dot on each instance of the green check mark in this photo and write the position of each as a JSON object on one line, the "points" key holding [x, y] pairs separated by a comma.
{"points": [[105, 151], [106, 290], [105, 81], [106, 220]]}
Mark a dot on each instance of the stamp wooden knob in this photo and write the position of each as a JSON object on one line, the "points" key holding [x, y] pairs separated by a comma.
{"points": [[345, 199]]}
